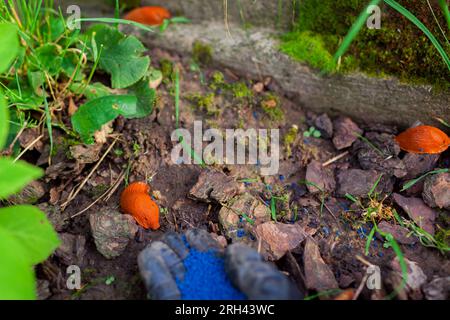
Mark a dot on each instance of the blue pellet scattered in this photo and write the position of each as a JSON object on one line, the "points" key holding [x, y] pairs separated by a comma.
{"points": [[326, 231], [281, 177], [255, 115], [380, 254], [247, 183], [240, 233], [205, 278]]}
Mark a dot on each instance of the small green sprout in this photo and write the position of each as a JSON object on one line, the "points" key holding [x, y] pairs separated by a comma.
{"points": [[312, 132]]}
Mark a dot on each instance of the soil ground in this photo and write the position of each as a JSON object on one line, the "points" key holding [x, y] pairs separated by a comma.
{"points": [[142, 152]]}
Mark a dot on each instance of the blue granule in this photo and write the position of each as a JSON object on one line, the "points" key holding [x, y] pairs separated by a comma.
{"points": [[205, 278], [240, 233], [281, 177]]}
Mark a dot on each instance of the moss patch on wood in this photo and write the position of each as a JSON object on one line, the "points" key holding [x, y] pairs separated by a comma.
{"points": [[399, 48]]}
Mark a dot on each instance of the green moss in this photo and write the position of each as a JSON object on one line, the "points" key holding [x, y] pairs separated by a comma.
{"points": [[306, 47], [204, 102], [217, 81], [166, 69], [289, 139], [201, 53], [272, 107], [399, 48], [241, 91]]}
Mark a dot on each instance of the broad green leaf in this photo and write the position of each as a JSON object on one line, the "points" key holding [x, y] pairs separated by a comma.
{"points": [[91, 91], [121, 55], [15, 176], [48, 58], [145, 98], [36, 80], [9, 45], [16, 273], [30, 227], [4, 121], [92, 115]]}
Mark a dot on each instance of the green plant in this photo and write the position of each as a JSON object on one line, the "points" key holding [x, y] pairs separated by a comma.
{"points": [[26, 236], [312, 132], [56, 63]]}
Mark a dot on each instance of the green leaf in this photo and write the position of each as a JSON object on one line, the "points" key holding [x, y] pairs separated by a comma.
{"points": [[145, 98], [9, 45], [30, 227], [4, 121], [91, 91], [48, 58], [121, 55], [16, 273], [92, 115], [36, 80], [15, 176]]}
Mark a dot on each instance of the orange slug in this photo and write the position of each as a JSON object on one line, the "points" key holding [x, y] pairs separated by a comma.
{"points": [[150, 15], [136, 201], [423, 139]]}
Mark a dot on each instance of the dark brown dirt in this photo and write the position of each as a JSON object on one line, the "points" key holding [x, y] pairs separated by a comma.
{"points": [[340, 233]]}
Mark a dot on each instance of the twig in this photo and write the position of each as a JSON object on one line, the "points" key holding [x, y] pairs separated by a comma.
{"points": [[109, 191], [64, 205], [361, 286], [32, 143], [334, 159]]}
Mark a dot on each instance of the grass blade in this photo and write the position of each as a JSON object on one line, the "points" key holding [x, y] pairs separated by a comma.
{"points": [[116, 21], [369, 240], [445, 10], [412, 182], [407, 14], [353, 32]]}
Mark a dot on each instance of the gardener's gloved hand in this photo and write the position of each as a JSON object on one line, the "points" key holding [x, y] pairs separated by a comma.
{"points": [[194, 266]]}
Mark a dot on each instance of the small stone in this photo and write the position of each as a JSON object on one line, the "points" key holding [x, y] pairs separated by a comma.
{"points": [[418, 211], [258, 87], [321, 177], [231, 217], [57, 218], [325, 126], [86, 153], [220, 239], [437, 289], [279, 238], [72, 249], [415, 280], [358, 182], [436, 190], [112, 231], [318, 275], [30, 194], [43, 289], [398, 232], [417, 164], [380, 152], [345, 132], [214, 185]]}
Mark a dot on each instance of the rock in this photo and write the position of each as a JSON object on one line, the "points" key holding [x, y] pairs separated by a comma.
{"points": [[279, 238], [436, 190], [318, 276], [418, 211], [325, 126], [234, 224], [43, 289], [320, 176], [112, 231], [417, 164], [214, 185], [416, 279], [57, 218], [72, 249], [86, 153], [437, 289], [380, 152], [358, 182], [399, 233], [345, 132], [220, 239], [30, 194], [30, 137]]}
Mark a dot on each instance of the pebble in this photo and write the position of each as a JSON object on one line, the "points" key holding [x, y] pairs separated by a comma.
{"points": [[436, 190], [344, 132]]}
